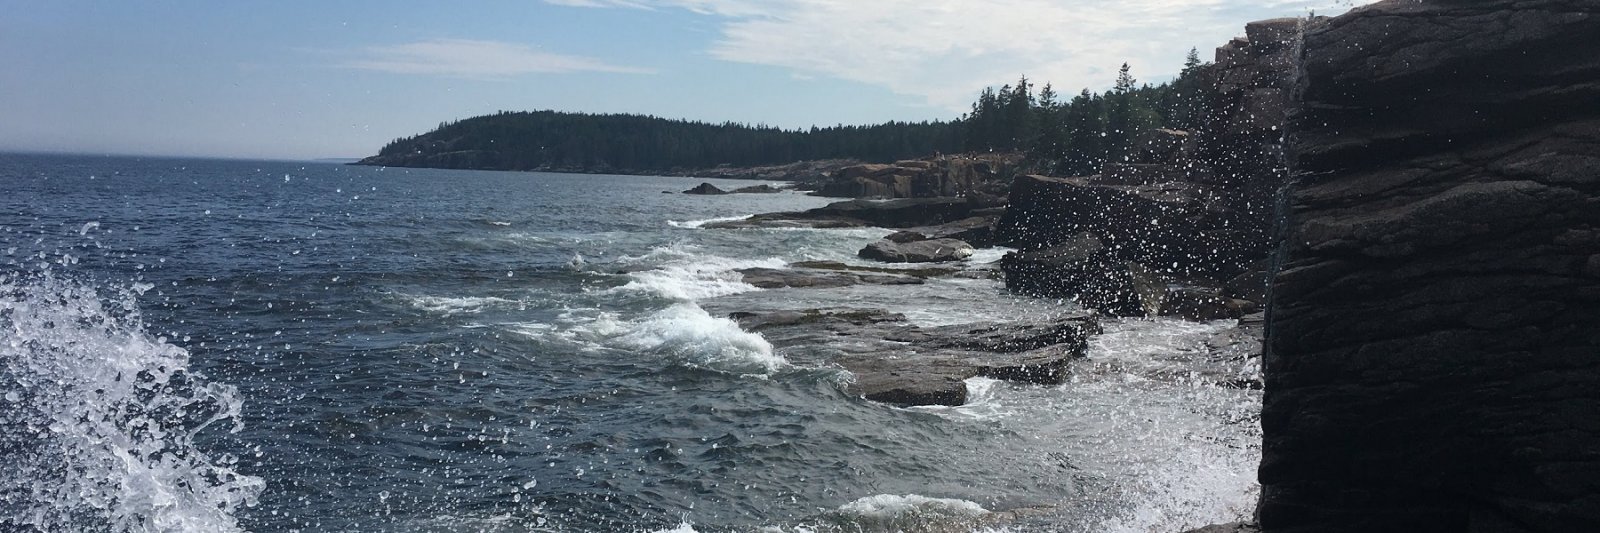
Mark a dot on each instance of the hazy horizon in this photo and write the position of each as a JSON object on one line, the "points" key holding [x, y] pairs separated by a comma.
{"points": [[305, 81]]}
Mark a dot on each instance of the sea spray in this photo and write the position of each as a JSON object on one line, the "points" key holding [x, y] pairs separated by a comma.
{"points": [[689, 335], [99, 418]]}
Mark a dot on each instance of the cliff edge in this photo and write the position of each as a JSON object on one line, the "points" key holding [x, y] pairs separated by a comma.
{"points": [[1433, 336]]}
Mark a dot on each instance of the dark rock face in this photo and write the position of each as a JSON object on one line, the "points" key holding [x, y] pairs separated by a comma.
{"points": [[923, 251], [1173, 227], [705, 188], [1433, 340], [1082, 268], [898, 363], [1194, 208]]}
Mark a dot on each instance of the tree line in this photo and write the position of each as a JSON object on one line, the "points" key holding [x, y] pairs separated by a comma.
{"points": [[1078, 136], [1063, 136], [580, 141]]}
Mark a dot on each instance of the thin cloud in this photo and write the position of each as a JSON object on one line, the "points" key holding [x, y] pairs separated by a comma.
{"points": [[463, 58], [945, 51]]}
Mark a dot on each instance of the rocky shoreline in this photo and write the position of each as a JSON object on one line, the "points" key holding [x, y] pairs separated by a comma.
{"points": [[1411, 193]]}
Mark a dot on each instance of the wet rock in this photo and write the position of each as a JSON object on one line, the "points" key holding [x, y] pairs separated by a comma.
{"points": [[1178, 228], [757, 189], [776, 278], [920, 272], [907, 383], [925, 251], [899, 363], [902, 213], [1234, 527], [705, 188], [1084, 269], [975, 230], [905, 237], [837, 320], [1202, 303], [777, 220], [1431, 356]]}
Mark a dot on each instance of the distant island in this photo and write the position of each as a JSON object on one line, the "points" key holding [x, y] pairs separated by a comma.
{"points": [[1074, 136]]}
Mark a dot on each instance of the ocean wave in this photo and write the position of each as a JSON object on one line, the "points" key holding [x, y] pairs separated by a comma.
{"points": [[100, 417], [689, 335], [682, 272], [695, 224], [682, 333]]}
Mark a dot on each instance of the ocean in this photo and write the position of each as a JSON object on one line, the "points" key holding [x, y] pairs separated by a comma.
{"points": [[222, 345]]}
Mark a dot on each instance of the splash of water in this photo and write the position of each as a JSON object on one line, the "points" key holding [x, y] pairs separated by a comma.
{"points": [[99, 418]]}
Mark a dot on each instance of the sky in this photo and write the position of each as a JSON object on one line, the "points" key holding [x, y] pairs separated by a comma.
{"points": [[318, 79]]}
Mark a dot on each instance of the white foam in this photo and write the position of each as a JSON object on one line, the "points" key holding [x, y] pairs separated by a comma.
{"points": [[448, 305], [910, 512], [890, 505], [1195, 488], [689, 335], [683, 273], [102, 418], [682, 527], [693, 224], [983, 402], [989, 255]]}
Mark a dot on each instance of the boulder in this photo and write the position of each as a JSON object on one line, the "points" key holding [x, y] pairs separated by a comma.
{"points": [[1432, 357], [924, 251], [705, 188]]}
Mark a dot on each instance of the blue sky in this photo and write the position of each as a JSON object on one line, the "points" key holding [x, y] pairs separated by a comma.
{"points": [[303, 79]]}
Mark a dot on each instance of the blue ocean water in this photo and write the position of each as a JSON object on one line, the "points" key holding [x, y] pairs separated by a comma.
{"points": [[213, 345]]}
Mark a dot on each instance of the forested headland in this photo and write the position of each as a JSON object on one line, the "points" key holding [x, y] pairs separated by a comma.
{"points": [[1073, 135]]}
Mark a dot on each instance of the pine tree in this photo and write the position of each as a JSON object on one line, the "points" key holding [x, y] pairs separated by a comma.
{"points": [[1125, 81]]}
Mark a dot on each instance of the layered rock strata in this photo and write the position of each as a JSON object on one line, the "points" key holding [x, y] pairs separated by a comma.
{"points": [[1433, 338]]}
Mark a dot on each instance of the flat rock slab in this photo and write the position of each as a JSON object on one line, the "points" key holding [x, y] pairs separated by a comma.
{"points": [[902, 213], [770, 221], [776, 278], [921, 272], [899, 363]]}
